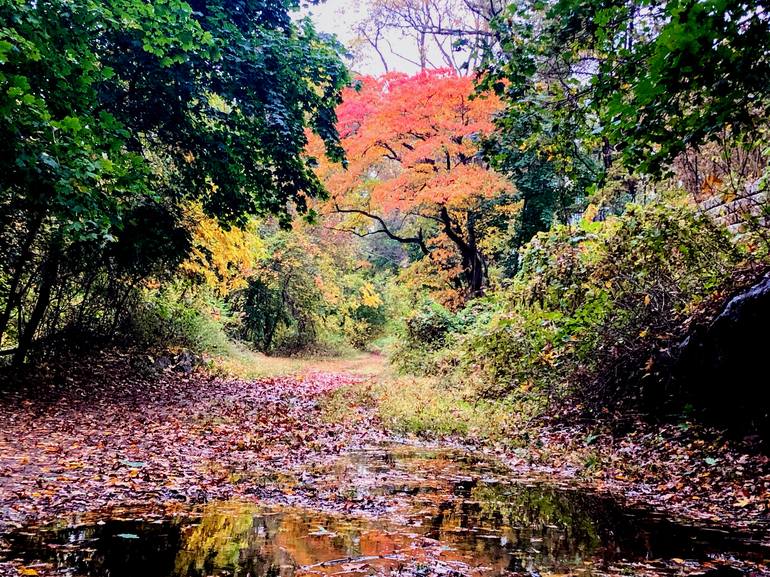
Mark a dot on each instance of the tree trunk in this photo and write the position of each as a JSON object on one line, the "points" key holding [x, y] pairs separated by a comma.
{"points": [[48, 281], [14, 295], [476, 270], [473, 263]]}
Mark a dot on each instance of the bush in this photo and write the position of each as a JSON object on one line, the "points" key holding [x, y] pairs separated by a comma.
{"points": [[171, 318], [591, 309], [363, 326], [592, 304], [423, 336]]}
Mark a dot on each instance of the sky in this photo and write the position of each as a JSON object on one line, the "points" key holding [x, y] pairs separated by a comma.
{"points": [[339, 17]]}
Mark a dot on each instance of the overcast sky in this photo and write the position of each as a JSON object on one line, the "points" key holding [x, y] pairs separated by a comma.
{"points": [[339, 16]]}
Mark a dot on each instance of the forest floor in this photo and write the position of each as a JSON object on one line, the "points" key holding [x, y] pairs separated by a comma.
{"points": [[120, 431]]}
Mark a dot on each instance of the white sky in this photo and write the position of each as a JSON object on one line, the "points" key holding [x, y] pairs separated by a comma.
{"points": [[339, 16]]}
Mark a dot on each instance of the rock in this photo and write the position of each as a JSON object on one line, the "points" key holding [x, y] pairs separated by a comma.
{"points": [[722, 367], [186, 362]]}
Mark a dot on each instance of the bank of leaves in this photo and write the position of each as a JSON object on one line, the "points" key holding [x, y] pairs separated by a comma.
{"points": [[591, 317]]}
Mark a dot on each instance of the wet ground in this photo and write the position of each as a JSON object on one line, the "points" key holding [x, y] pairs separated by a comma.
{"points": [[394, 510]]}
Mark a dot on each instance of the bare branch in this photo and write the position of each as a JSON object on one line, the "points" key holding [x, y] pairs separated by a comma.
{"points": [[419, 240]]}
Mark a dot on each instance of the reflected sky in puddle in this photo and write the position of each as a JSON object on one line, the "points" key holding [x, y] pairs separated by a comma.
{"points": [[440, 513]]}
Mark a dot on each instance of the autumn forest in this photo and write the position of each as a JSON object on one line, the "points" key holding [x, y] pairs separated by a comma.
{"points": [[427, 288]]}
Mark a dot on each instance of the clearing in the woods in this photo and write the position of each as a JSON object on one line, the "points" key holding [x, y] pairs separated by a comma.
{"points": [[105, 472]]}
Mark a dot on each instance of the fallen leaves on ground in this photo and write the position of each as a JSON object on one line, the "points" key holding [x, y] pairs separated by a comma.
{"points": [[108, 435], [685, 470]]}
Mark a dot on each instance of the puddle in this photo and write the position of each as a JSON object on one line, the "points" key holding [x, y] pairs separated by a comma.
{"points": [[430, 513]]}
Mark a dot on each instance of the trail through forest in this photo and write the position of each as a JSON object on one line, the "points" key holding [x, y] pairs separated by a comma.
{"points": [[116, 437], [170, 473]]}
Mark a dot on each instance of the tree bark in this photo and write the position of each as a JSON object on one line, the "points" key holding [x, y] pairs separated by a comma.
{"points": [[473, 261], [48, 281]]}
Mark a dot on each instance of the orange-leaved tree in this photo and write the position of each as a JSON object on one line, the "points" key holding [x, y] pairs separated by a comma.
{"points": [[415, 173]]}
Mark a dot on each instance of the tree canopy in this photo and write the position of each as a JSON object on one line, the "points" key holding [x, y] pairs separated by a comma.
{"points": [[642, 79], [416, 173], [115, 111]]}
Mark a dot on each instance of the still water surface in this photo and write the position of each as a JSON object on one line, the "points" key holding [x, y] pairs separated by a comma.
{"points": [[429, 513]]}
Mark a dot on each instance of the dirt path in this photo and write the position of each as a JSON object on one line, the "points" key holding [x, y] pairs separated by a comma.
{"points": [[108, 437]]}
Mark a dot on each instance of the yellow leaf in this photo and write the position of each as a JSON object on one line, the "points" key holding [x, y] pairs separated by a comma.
{"points": [[368, 297], [647, 300], [590, 212]]}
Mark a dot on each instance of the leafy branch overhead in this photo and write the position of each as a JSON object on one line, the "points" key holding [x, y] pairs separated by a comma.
{"points": [[116, 110]]}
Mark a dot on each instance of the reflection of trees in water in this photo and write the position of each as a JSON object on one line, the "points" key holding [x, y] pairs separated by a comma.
{"points": [[263, 545], [553, 527], [117, 548], [214, 543], [238, 540], [513, 527], [536, 524]]}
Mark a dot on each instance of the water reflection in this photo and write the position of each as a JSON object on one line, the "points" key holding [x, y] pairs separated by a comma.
{"points": [[455, 518]]}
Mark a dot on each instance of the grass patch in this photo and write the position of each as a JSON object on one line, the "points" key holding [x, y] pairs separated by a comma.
{"points": [[422, 406], [240, 362]]}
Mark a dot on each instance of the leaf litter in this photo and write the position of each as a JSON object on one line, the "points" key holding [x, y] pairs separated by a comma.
{"points": [[110, 444]]}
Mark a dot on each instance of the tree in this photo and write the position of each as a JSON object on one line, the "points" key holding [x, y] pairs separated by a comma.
{"points": [[114, 110], [639, 80], [415, 173], [438, 33], [309, 289], [221, 259]]}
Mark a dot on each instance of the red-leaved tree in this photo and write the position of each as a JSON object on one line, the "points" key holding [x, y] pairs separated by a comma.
{"points": [[415, 172]]}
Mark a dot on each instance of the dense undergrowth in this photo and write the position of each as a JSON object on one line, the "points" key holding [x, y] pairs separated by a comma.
{"points": [[592, 323]]}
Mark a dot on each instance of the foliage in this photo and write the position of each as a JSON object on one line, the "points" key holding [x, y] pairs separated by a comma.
{"points": [[549, 182], [306, 294], [644, 79], [425, 331], [222, 259], [594, 89], [179, 317], [592, 307], [114, 111], [415, 174]]}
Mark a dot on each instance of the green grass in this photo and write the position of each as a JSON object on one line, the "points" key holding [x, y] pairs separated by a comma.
{"points": [[423, 407], [240, 362]]}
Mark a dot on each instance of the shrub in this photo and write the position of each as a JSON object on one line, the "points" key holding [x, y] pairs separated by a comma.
{"points": [[169, 317], [423, 335], [591, 307]]}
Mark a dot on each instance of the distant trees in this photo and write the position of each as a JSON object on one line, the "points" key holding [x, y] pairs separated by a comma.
{"points": [[114, 111], [416, 174], [433, 34]]}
